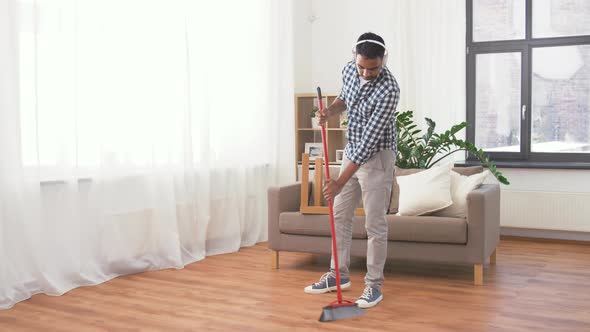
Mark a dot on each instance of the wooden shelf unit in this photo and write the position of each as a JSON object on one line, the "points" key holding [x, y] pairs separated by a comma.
{"points": [[304, 133]]}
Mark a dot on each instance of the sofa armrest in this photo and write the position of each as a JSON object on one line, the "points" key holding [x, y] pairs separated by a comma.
{"points": [[281, 199], [483, 220]]}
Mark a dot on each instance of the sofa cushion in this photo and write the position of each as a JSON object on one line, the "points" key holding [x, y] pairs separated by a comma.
{"points": [[401, 228], [316, 224], [394, 203], [461, 186], [425, 192], [427, 229], [468, 171]]}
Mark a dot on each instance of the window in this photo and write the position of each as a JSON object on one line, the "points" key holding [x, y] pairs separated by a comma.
{"points": [[528, 81]]}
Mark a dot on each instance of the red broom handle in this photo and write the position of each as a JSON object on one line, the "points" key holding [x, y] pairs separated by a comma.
{"points": [[331, 207]]}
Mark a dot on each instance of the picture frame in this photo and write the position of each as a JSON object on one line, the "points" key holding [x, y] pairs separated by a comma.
{"points": [[314, 150]]}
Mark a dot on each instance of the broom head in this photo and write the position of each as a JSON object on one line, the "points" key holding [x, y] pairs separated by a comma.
{"points": [[336, 311]]}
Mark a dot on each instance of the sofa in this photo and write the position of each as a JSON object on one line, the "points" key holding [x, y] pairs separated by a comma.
{"points": [[471, 240]]}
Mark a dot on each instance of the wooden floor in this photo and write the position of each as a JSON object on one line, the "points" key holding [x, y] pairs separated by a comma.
{"points": [[533, 287]]}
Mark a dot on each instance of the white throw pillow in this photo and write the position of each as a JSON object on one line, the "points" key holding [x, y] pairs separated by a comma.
{"points": [[461, 186], [425, 192]]}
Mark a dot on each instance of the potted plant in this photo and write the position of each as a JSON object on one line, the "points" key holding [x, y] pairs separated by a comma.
{"points": [[416, 150], [343, 120]]}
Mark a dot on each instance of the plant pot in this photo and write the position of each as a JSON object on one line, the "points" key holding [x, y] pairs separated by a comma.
{"points": [[315, 123]]}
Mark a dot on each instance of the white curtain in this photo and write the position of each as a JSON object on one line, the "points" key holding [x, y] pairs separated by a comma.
{"points": [[136, 135], [428, 58]]}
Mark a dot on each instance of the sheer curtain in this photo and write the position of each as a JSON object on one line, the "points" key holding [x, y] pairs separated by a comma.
{"points": [[428, 58], [135, 135]]}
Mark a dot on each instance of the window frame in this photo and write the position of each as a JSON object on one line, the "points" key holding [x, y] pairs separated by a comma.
{"points": [[525, 158]]}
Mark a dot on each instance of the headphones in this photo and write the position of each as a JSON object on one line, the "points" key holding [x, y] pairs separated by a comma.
{"points": [[374, 42]]}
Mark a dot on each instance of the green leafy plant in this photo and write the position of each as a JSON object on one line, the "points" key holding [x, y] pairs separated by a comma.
{"points": [[314, 111], [417, 150]]}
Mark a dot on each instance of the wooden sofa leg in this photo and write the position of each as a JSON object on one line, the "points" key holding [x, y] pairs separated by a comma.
{"points": [[493, 257], [275, 259], [478, 274]]}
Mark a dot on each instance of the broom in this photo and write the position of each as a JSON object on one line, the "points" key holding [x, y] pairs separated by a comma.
{"points": [[339, 309]]}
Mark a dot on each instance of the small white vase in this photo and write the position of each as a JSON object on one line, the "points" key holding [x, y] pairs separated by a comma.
{"points": [[315, 123]]}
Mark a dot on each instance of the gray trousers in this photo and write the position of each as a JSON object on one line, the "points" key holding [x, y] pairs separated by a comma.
{"points": [[374, 181]]}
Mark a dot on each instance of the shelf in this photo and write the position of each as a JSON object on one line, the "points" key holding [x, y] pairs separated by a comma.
{"points": [[340, 129], [304, 133], [330, 163]]}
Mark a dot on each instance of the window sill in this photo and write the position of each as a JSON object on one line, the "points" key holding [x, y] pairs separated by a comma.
{"points": [[529, 164]]}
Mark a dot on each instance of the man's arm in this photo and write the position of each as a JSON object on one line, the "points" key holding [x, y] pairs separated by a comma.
{"points": [[338, 106], [332, 188]]}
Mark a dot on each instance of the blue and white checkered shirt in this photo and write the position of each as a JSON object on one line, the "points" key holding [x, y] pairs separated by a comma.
{"points": [[370, 108]]}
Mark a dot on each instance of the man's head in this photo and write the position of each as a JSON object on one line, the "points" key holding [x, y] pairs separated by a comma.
{"points": [[369, 56]]}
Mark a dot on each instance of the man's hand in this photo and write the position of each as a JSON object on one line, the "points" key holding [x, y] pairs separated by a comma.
{"points": [[331, 189], [338, 106], [323, 116]]}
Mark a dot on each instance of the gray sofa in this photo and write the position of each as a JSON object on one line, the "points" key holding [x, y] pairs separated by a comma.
{"points": [[468, 240]]}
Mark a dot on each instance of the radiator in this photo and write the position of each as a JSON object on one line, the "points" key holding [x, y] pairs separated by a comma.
{"points": [[545, 210]]}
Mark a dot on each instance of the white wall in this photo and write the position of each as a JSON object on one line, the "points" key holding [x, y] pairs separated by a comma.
{"points": [[323, 46], [324, 38], [336, 27], [548, 180]]}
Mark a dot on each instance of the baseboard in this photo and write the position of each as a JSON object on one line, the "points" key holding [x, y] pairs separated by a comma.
{"points": [[544, 234]]}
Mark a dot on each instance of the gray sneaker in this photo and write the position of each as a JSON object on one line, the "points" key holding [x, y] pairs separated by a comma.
{"points": [[370, 297], [326, 284]]}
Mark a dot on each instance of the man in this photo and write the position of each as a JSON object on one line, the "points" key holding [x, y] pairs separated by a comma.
{"points": [[370, 95]]}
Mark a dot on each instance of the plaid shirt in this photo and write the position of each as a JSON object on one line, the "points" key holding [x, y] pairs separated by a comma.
{"points": [[371, 122]]}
